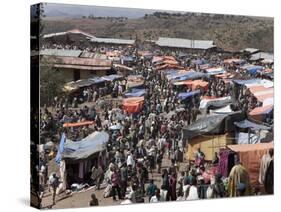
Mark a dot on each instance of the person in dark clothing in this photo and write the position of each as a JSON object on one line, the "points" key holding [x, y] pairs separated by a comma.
{"points": [[150, 190], [218, 187], [269, 179], [94, 201], [124, 179]]}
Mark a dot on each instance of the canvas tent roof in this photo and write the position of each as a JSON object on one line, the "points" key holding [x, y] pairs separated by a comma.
{"points": [[213, 124], [185, 95], [135, 92], [113, 41], [83, 149], [250, 155], [185, 43], [61, 52], [248, 124]]}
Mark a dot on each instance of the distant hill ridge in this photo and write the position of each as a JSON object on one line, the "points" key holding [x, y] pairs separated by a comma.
{"points": [[227, 31]]}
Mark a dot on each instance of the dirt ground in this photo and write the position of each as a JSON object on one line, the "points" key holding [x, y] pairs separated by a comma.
{"points": [[82, 199]]}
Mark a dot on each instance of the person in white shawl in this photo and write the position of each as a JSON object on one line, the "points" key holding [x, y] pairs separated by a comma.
{"points": [[193, 192], [265, 161], [130, 160]]}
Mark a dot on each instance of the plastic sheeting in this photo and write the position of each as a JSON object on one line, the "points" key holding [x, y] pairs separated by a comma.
{"points": [[255, 82], [225, 110], [135, 93], [248, 124], [185, 95], [83, 149], [213, 124], [133, 104], [216, 102], [215, 71], [188, 75]]}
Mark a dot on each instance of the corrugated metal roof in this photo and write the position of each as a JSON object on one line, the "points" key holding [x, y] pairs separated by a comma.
{"points": [[61, 52], [73, 31], [81, 67], [262, 55], [250, 50], [185, 43], [113, 41], [80, 61]]}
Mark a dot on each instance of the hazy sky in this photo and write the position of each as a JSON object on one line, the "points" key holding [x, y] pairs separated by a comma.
{"points": [[77, 11]]}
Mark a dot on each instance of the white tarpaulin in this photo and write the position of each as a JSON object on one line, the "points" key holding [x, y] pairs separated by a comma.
{"points": [[268, 101], [224, 110], [265, 83], [217, 102]]}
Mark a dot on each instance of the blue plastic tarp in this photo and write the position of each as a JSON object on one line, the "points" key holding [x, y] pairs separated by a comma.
{"points": [[248, 124], [111, 77], [199, 61], [135, 92], [60, 149], [83, 149], [185, 95], [190, 75], [254, 69], [127, 58]]}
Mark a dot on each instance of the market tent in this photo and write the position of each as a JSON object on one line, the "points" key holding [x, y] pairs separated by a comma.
{"points": [[208, 124], [255, 82], [194, 84], [185, 95], [78, 124], [215, 102], [248, 124], [213, 124], [234, 60], [209, 144], [188, 75], [135, 81], [133, 104], [250, 155], [224, 110], [259, 113], [112, 77], [198, 61], [135, 92], [252, 69], [215, 71], [85, 148]]}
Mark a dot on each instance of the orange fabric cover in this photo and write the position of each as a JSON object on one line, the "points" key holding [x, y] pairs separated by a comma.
{"points": [[250, 155], [77, 124], [133, 104]]}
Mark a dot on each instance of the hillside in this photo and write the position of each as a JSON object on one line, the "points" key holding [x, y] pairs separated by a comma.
{"points": [[228, 31]]}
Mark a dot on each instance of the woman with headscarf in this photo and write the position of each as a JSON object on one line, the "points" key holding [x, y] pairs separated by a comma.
{"points": [[238, 176]]}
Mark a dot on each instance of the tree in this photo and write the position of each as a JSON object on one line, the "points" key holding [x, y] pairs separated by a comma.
{"points": [[51, 80]]}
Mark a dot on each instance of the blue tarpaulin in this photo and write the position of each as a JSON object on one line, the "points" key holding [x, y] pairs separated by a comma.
{"points": [[111, 77], [83, 149], [250, 81], [254, 69], [190, 75], [135, 92], [60, 149], [199, 61], [185, 95], [127, 58], [248, 124]]}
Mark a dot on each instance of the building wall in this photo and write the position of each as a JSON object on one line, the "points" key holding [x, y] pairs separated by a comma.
{"points": [[208, 144], [85, 74]]}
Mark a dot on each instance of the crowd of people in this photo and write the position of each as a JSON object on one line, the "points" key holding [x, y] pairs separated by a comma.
{"points": [[141, 143]]}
